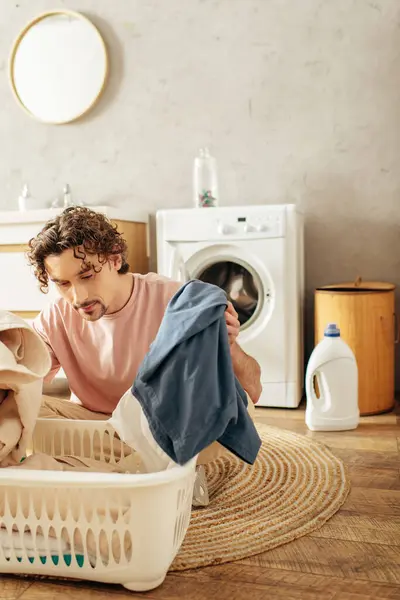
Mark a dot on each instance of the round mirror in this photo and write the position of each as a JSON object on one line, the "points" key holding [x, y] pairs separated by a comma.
{"points": [[58, 66]]}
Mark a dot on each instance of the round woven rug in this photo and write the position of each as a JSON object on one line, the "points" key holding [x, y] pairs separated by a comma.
{"points": [[293, 488]]}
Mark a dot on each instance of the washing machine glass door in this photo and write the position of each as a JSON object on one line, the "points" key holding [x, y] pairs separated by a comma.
{"points": [[242, 286], [253, 275]]}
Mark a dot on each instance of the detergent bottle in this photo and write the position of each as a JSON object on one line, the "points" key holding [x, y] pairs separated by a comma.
{"points": [[332, 385], [205, 180]]}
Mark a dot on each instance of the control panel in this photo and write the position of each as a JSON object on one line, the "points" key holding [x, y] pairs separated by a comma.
{"points": [[224, 223], [268, 225]]}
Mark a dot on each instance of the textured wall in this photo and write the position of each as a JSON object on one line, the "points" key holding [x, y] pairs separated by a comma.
{"points": [[299, 100]]}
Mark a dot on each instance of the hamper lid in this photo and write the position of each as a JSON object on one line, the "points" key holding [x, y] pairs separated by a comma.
{"points": [[359, 286]]}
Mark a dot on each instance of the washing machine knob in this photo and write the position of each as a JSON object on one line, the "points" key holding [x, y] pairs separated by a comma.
{"points": [[261, 227], [223, 229], [247, 228]]}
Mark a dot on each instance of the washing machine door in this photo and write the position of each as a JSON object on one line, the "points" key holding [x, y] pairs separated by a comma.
{"points": [[253, 276], [240, 285]]}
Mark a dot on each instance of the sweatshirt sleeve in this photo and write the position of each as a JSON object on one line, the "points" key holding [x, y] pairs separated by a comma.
{"points": [[40, 325]]}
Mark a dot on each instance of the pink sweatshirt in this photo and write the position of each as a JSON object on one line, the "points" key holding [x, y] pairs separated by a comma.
{"points": [[101, 358]]}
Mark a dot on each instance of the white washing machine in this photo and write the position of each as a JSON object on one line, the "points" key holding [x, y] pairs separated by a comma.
{"points": [[255, 253]]}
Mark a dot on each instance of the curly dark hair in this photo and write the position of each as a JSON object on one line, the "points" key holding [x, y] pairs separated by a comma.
{"points": [[84, 230]]}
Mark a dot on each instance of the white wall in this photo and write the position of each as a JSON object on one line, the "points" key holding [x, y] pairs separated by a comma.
{"points": [[298, 99]]}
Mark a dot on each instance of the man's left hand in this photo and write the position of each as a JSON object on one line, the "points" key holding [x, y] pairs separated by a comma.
{"points": [[232, 323]]}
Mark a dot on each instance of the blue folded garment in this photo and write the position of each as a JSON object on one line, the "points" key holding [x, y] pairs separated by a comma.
{"points": [[186, 385]]}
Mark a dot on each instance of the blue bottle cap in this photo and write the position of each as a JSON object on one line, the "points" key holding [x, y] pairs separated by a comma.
{"points": [[332, 330]]}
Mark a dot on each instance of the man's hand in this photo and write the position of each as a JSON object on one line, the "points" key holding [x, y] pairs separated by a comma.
{"points": [[232, 323], [246, 369]]}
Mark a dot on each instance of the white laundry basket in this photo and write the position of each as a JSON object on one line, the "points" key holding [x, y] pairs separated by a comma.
{"points": [[113, 528]]}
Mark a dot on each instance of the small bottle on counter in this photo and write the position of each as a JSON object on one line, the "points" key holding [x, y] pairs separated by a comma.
{"points": [[67, 198], [25, 200]]}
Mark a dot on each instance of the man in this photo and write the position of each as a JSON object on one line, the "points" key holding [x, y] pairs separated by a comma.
{"points": [[101, 327]]}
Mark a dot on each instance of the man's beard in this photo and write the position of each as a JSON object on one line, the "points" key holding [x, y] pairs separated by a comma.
{"points": [[99, 310]]}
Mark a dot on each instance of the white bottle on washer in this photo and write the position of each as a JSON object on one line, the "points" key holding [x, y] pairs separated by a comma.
{"points": [[332, 365], [205, 180]]}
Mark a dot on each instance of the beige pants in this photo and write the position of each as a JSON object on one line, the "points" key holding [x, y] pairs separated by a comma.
{"points": [[60, 408]]}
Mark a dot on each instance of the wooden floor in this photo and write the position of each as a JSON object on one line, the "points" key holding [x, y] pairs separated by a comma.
{"points": [[354, 556]]}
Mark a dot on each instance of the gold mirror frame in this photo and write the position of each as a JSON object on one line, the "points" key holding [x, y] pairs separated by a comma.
{"points": [[28, 27]]}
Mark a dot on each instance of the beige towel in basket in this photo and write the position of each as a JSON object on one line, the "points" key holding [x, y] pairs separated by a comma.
{"points": [[44, 462], [24, 362]]}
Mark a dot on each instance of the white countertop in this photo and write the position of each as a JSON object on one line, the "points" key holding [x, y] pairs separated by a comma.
{"points": [[9, 217]]}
